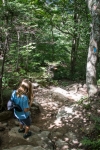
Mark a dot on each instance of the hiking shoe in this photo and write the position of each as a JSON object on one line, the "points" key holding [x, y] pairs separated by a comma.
{"points": [[27, 135], [21, 130]]}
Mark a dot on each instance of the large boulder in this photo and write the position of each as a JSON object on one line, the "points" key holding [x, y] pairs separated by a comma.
{"points": [[5, 115]]}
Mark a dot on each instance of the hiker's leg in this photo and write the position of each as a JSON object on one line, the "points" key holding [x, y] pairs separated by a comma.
{"points": [[27, 128], [21, 126], [27, 133], [27, 123]]}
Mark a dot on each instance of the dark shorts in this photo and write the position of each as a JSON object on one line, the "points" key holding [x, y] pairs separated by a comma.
{"points": [[26, 122]]}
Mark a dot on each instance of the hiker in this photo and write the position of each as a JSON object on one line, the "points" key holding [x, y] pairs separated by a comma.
{"points": [[23, 97]]}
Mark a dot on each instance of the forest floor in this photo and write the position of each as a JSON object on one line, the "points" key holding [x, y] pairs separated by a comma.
{"points": [[45, 120]]}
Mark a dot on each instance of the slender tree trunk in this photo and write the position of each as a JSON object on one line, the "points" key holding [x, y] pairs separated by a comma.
{"points": [[5, 48], [17, 63], [3, 2], [75, 44], [1, 62], [52, 44], [91, 81], [27, 57], [73, 57]]}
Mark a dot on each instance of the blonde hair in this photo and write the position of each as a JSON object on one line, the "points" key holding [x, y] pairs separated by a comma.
{"points": [[25, 88]]}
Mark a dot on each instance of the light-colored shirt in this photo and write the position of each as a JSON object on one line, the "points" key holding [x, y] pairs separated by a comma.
{"points": [[22, 101]]}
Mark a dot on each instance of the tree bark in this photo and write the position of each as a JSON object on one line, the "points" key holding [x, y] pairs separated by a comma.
{"points": [[91, 81]]}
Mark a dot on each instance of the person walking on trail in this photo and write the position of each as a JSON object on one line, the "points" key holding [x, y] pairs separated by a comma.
{"points": [[23, 97]]}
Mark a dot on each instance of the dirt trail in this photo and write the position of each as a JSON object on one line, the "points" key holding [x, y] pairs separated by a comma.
{"points": [[59, 113]]}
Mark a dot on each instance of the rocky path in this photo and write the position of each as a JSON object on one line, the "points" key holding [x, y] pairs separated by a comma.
{"points": [[58, 122]]}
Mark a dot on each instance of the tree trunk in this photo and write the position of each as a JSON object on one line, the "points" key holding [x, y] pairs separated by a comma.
{"points": [[91, 71], [73, 57], [75, 44], [5, 49], [52, 44], [27, 57], [91, 81], [17, 63]]}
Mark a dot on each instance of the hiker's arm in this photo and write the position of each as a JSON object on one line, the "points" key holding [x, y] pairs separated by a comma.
{"points": [[26, 106], [26, 109]]}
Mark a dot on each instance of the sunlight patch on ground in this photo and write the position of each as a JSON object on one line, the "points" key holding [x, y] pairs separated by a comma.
{"points": [[58, 122], [68, 94], [65, 112], [60, 91], [76, 96]]}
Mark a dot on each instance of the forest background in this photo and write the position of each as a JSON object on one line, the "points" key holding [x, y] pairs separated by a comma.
{"points": [[48, 41], [45, 40]]}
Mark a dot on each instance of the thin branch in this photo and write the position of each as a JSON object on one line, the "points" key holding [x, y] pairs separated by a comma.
{"points": [[65, 32]]}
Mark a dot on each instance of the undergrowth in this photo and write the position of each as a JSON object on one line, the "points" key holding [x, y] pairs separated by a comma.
{"points": [[91, 141]]}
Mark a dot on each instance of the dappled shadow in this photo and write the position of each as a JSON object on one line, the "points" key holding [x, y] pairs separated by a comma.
{"points": [[67, 114], [63, 115]]}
